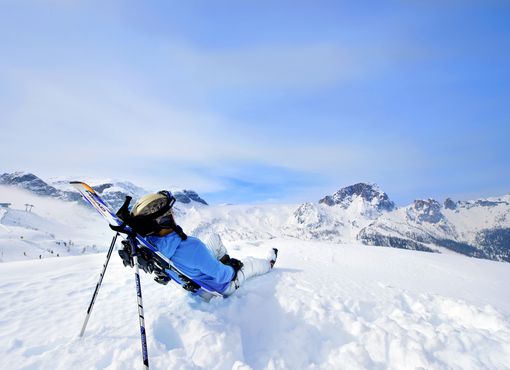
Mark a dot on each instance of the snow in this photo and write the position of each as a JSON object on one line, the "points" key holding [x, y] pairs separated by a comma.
{"points": [[327, 305], [324, 306], [234, 222], [47, 229]]}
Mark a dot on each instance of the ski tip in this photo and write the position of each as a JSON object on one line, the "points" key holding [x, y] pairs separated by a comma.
{"points": [[78, 184]]}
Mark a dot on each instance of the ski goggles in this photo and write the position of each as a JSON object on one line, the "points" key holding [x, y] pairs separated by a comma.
{"points": [[170, 198]]}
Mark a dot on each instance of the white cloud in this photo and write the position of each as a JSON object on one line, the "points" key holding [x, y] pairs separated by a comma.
{"points": [[67, 118]]}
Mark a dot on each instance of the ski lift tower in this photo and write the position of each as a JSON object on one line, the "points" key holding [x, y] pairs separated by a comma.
{"points": [[28, 207]]}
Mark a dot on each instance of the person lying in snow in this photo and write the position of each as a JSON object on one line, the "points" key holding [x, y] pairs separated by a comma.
{"points": [[206, 262]]}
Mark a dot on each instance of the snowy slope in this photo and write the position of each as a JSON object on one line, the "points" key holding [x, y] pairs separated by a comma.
{"points": [[325, 306], [53, 227]]}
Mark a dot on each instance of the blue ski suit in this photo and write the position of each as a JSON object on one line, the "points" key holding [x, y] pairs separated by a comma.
{"points": [[195, 260]]}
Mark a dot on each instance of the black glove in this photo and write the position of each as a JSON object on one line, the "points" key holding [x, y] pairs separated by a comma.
{"points": [[225, 259], [236, 265]]}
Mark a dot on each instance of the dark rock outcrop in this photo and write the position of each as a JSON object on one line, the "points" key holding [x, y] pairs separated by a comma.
{"points": [[368, 192], [186, 196], [450, 204], [425, 211]]}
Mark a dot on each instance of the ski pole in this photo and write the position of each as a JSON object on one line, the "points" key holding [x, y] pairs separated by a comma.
{"points": [[98, 285], [143, 336]]}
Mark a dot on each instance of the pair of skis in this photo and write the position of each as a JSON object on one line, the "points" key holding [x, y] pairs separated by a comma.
{"points": [[136, 242]]}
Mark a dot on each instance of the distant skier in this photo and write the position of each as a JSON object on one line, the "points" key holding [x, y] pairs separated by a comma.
{"points": [[206, 262]]}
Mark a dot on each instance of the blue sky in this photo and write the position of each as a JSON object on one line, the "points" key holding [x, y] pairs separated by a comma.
{"points": [[260, 101]]}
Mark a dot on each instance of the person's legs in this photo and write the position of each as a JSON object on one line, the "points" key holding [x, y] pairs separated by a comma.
{"points": [[251, 267], [214, 244]]}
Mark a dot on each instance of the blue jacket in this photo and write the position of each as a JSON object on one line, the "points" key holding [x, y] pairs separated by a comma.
{"points": [[195, 260]]}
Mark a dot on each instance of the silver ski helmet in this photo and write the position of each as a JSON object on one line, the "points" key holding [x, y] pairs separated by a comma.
{"points": [[154, 207]]}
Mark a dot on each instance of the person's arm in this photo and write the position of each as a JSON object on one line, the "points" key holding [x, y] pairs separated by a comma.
{"points": [[208, 265]]}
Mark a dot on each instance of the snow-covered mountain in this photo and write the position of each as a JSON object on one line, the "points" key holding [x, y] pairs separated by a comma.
{"points": [[57, 221], [366, 197], [341, 216], [361, 213], [364, 214], [478, 228], [34, 184], [113, 192]]}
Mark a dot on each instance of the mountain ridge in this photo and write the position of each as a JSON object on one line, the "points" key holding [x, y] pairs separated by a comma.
{"points": [[113, 192], [361, 213]]}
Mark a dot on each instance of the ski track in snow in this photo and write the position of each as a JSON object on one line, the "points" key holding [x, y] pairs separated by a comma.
{"points": [[325, 306]]}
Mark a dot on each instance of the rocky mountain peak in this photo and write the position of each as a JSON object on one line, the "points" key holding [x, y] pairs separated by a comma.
{"points": [[186, 196], [102, 187], [29, 182], [113, 193], [425, 211], [450, 204], [307, 214], [370, 193]]}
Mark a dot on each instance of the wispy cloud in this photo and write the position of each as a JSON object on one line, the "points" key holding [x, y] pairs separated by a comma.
{"points": [[357, 97], [68, 125]]}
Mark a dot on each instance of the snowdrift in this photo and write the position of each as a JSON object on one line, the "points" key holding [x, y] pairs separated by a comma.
{"points": [[325, 306]]}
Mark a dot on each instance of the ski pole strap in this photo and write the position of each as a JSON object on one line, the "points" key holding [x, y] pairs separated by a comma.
{"points": [[122, 229], [124, 216], [123, 212]]}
